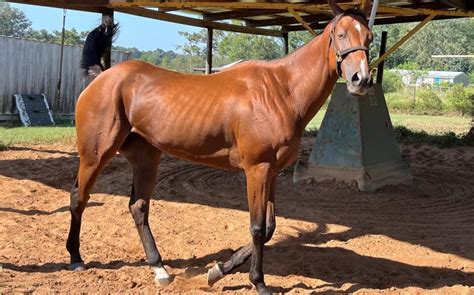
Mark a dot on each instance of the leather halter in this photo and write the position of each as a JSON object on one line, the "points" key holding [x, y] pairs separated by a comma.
{"points": [[342, 54]]}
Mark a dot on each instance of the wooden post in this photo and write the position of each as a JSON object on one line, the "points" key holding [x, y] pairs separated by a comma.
{"points": [[285, 43], [209, 51], [107, 13], [383, 47]]}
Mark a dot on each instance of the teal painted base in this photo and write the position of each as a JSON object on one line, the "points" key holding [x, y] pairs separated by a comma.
{"points": [[356, 142]]}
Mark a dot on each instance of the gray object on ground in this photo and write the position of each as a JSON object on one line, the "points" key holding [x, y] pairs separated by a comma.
{"points": [[34, 109], [356, 142]]}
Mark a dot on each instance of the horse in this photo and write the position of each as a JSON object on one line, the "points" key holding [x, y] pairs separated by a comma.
{"points": [[249, 117]]}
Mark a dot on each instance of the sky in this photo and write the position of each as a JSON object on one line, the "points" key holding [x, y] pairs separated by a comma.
{"points": [[140, 32]]}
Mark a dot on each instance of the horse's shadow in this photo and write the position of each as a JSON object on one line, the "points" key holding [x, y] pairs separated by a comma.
{"points": [[337, 266], [51, 267], [42, 212]]}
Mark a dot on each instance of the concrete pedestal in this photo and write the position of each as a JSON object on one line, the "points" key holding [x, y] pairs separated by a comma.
{"points": [[356, 142]]}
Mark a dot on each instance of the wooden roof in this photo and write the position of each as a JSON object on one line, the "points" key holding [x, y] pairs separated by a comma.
{"points": [[273, 18]]}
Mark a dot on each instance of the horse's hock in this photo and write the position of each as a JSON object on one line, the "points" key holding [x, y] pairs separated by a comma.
{"points": [[356, 142]]}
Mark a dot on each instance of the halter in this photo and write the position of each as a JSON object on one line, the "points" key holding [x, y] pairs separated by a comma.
{"points": [[342, 54]]}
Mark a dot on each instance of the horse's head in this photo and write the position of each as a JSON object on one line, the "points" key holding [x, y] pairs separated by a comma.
{"points": [[350, 40]]}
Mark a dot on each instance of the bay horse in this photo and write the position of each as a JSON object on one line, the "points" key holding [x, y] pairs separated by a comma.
{"points": [[249, 117]]}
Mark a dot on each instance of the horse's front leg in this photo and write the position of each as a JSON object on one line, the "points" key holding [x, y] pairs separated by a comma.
{"points": [[259, 186], [243, 254]]}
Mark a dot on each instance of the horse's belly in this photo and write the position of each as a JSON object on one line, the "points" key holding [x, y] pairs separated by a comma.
{"points": [[212, 150]]}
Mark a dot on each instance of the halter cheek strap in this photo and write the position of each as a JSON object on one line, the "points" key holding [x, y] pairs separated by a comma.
{"points": [[342, 54]]}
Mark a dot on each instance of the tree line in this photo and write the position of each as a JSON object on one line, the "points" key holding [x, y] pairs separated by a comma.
{"points": [[437, 38]]}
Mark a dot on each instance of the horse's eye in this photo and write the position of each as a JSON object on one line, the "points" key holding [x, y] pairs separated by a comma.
{"points": [[341, 35]]}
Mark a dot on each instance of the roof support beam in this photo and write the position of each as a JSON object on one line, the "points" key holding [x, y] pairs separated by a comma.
{"points": [[307, 7], [460, 4], [197, 22], [285, 21], [380, 21], [423, 11], [301, 20], [240, 14], [68, 5]]}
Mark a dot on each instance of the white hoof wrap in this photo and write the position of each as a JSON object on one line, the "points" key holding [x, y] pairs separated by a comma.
{"points": [[79, 266], [161, 276], [214, 274]]}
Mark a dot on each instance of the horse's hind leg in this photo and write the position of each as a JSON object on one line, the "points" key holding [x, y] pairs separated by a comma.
{"points": [[97, 141], [144, 160]]}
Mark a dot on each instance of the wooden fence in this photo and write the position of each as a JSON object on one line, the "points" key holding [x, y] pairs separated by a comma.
{"points": [[32, 67]]}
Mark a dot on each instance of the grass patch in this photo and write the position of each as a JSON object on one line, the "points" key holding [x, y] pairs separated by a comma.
{"points": [[11, 135], [444, 140], [445, 131], [419, 123]]}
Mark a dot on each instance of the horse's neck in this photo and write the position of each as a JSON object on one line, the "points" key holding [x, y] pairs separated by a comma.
{"points": [[312, 76]]}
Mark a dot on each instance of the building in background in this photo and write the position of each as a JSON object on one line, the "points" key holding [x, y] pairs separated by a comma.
{"points": [[434, 78]]}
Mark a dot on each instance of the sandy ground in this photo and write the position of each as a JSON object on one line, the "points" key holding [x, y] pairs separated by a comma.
{"points": [[329, 237]]}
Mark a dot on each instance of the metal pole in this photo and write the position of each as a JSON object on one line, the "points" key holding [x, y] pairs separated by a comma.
{"points": [[209, 51], [380, 67], [285, 43], [373, 12], [57, 103]]}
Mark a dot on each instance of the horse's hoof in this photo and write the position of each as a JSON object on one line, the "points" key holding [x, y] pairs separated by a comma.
{"points": [[161, 276], [263, 290], [214, 275], [78, 266]]}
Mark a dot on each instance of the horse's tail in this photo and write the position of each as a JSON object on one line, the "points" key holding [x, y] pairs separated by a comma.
{"points": [[97, 43]]}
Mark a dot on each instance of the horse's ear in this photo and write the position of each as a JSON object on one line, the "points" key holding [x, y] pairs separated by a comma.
{"points": [[367, 7], [334, 7]]}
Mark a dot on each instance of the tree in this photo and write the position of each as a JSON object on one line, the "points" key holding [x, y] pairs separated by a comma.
{"points": [[437, 38], [237, 46], [392, 82], [13, 22], [71, 37], [298, 39]]}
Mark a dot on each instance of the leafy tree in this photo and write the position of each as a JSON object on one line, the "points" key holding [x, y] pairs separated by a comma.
{"points": [[196, 43], [237, 46], [460, 100], [71, 37], [298, 39], [13, 22], [437, 38], [392, 82]]}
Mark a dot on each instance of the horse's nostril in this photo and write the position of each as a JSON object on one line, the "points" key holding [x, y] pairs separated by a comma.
{"points": [[355, 79]]}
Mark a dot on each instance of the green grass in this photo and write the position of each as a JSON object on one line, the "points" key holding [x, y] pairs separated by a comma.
{"points": [[423, 124], [429, 124], [10, 136]]}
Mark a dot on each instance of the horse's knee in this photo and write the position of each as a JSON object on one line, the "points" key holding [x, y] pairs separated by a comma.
{"points": [[138, 210], [257, 232]]}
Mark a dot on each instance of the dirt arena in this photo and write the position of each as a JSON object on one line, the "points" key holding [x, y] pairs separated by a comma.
{"points": [[329, 237]]}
